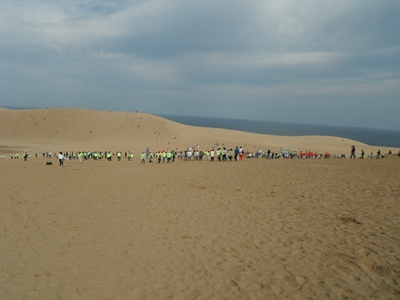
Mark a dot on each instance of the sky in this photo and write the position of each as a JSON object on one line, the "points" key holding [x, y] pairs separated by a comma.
{"points": [[314, 62]]}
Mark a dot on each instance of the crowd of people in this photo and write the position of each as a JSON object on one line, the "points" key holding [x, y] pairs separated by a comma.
{"points": [[194, 154]]}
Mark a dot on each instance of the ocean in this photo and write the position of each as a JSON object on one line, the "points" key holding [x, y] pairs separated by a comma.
{"points": [[373, 137]]}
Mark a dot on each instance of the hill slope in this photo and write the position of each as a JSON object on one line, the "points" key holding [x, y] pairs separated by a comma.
{"points": [[78, 129]]}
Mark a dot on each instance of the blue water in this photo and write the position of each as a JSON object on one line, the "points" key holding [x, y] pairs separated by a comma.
{"points": [[373, 137]]}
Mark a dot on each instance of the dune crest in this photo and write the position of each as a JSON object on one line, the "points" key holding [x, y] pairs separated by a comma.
{"points": [[78, 129]]}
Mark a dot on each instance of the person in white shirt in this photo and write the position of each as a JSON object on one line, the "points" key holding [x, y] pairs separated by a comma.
{"points": [[212, 154], [61, 159]]}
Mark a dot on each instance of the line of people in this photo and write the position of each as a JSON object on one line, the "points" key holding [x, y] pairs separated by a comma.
{"points": [[220, 154]]}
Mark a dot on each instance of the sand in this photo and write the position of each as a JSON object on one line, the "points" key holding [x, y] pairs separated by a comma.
{"points": [[253, 229]]}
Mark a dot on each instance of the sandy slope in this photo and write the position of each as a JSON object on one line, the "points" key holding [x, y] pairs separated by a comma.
{"points": [[72, 130], [254, 229], [257, 229]]}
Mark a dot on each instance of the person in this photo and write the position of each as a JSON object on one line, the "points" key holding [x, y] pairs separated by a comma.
{"points": [[353, 152], [25, 156], [236, 153], [212, 154], [378, 154], [189, 155], [61, 159], [80, 157], [362, 154], [143, 158], [159, 157], [169, 156]]}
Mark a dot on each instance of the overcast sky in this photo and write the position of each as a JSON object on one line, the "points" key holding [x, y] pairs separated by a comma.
{"points": [[317, 62]]}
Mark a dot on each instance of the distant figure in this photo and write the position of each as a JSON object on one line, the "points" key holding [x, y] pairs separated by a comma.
{"points": [[61, 159], [143, 158], [353, 152], [362, 154], [212, 154], [378, 154]]}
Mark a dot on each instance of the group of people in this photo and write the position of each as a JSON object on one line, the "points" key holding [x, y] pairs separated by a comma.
{"points": [[378, 155], [193, 154]]}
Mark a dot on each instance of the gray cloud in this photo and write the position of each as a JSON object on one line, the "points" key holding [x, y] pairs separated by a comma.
{"points": [[325, 62]]}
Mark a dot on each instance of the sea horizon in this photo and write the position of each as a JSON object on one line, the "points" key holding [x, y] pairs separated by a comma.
{"points": [[369, 136]]}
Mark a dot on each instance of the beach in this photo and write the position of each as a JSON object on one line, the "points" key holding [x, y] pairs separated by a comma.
{"points": [[252, 229]]}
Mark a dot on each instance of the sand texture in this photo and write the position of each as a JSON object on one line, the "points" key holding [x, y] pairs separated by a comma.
{"points": [[251, 229]]}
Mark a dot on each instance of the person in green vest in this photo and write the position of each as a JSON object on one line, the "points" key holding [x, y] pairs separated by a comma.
{"points": [[143, 158], [80, 157], [169, 155]]}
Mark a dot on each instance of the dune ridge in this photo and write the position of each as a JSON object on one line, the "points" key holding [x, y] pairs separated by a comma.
{"points": [[69, 129]]}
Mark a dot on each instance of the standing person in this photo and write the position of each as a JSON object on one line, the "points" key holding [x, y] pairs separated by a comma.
{"points": [[362, 154], [80, 157], [169, 156], [159, 156], [236, 153], [353, 152], [212, 154], [143, 158], [61, 159]]}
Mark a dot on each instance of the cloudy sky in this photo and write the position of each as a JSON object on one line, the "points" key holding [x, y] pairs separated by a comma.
{"points": [[317, 62]]}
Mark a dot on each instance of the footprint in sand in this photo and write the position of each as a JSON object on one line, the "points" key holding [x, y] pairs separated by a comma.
{"points": [[380, 267], [349, 220]]}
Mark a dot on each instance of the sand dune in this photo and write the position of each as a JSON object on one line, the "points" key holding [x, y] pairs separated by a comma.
{"points": [[74, 129], [252, 229]]}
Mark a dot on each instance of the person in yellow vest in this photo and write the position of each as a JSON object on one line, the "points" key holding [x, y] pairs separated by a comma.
{"points": [[143, 158], [169, 156], [80, 157]]}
